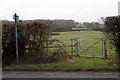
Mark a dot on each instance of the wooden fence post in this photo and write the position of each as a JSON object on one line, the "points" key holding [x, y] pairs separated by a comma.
{"points": [[105, 49], [76, 46], [72, 46]]}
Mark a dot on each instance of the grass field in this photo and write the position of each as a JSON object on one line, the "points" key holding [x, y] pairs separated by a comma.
{"points": [[77, 63], [85, 41], [80, 34]]}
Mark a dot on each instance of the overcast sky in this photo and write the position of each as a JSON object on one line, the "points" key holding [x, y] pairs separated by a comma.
{"points": [[78, 10]]}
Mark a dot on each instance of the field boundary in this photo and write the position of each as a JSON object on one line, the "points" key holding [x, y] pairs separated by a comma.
{"points": [[76, 47]]}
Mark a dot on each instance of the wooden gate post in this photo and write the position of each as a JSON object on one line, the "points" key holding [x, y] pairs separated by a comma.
{"points": [[76, 46], [72, 50], [105, 49]]}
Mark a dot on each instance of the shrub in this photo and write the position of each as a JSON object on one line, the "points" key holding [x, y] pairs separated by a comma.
{"points": [[112, 30], [31, 39]]}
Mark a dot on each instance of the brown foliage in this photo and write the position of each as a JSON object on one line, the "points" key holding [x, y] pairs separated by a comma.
{"points": [[33, 37]]}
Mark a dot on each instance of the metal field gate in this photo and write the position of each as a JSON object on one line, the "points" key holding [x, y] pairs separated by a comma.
{"points": [[95, 47], [86, 47]]}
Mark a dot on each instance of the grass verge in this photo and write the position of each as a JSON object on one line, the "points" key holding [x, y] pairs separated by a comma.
{"points": [[77, 63]]}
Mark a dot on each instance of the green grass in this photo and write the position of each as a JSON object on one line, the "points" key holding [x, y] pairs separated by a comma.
{"points": [[77, 63], [82, 34], [84, 43]]}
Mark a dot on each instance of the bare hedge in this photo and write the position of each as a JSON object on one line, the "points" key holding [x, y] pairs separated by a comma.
{"points": [[32, 36], [33, 40]]}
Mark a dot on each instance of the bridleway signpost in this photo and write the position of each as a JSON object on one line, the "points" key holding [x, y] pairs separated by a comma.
{"points": [[16, 18]]}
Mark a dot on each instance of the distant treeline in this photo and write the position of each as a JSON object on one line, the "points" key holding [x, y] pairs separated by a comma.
{"points": [[57, 25], [95, 26], [71, 25], [63, 25]]}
